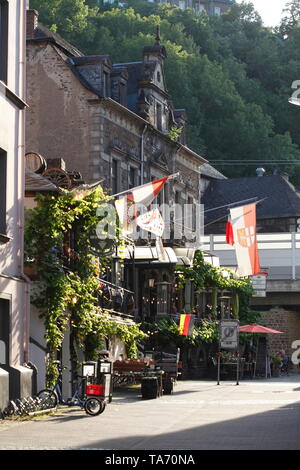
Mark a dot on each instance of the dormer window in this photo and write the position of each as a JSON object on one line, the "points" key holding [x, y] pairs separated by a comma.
{"points": [[158, 77]]}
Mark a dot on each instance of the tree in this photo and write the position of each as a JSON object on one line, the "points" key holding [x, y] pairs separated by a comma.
{"points": [[230, 73], [62, 15], [292, 18]]}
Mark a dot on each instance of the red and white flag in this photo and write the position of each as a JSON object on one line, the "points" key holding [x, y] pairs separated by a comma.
{"points": [[243, 220], [127, 206], [229, 232]]}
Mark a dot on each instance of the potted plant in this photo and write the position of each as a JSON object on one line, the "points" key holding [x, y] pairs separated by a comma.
{"points": [[276, 362]]}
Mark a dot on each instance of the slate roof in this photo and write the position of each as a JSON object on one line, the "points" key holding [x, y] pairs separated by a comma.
{"points": [[281, 198], [137, 71], [210, 172]]}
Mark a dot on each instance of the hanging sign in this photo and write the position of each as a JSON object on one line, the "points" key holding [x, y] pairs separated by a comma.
{"points": [[259, 285]]}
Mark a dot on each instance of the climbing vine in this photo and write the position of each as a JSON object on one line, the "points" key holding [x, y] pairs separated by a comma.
{"points": [[59, 247], [165, 332], [205, 276]]}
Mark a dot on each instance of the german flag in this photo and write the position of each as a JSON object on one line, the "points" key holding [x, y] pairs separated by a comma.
{"points": [[186, 324]]}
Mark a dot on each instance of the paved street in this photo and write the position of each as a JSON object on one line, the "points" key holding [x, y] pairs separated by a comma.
{"points": [[259, 414]]}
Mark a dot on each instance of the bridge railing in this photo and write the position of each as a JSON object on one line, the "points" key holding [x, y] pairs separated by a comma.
{"points": [[279, 253]]}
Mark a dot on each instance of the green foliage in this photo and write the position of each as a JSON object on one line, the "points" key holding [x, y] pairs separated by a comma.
{"points": [[205, 276], [174, 133], [63, 15], [276, 361], [67, 289], [165, 332], [231, 74], [291, 18]]}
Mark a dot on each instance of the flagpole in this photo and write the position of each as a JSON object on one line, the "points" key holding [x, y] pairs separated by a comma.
{"points": [[170, 177], [237, 202]]}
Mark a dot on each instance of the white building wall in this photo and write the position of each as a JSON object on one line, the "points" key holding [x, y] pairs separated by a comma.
{"points": [[13, 287]]}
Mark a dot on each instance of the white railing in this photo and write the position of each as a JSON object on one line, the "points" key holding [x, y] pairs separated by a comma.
{"points": [[279, 253]]}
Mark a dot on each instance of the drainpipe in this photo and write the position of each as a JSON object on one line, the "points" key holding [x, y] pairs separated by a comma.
{"points": [[142, 153], [21, 182], [134, 278]]}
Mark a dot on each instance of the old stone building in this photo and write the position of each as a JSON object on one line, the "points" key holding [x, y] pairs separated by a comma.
{"points": [[105, 120], [114, 122], [211, 7]]}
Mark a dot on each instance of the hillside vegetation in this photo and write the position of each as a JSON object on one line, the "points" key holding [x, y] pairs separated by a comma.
{"points": [[232, 74]]}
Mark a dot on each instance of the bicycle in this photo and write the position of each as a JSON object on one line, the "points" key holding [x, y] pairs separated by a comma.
{"points": [[23, 407], [52, 397]]}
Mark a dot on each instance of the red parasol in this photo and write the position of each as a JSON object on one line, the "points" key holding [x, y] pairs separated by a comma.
{"points": [[254, 328]]}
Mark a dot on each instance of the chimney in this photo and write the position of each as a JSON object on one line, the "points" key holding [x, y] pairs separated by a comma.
{"points": [[260, 171], [32, 17]]}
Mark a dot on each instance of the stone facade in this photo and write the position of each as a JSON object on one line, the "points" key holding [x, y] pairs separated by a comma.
{"points": [[287, 321]]}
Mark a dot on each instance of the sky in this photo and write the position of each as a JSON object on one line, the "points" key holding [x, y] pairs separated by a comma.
{"points": [[269, 10]]}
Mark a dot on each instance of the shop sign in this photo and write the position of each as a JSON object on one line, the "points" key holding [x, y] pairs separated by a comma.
{"points": [[229, 334], [259, 285]]}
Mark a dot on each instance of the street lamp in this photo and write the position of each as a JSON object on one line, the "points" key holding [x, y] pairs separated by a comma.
{"points": [[225, 306]]}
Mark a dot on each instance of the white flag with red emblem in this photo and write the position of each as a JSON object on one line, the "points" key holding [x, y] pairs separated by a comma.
{"points": [[128, 206], [243, 220]]}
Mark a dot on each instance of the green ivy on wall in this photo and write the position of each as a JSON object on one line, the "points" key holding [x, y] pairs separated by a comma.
{"points": [[66, 291], [205, 276], [165, 332]]}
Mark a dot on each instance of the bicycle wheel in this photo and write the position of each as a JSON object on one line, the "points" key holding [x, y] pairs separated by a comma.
{"points": [[48, 398], [10, 410], [94, 406]]}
